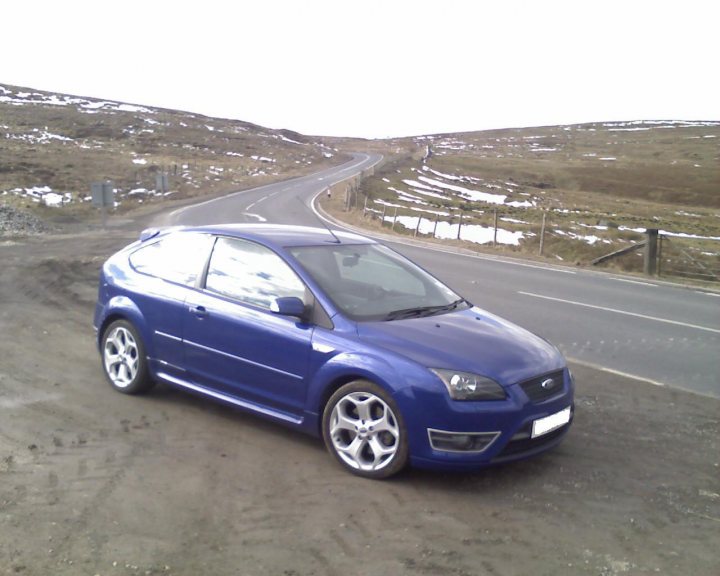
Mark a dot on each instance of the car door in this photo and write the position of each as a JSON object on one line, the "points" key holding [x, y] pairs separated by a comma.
{"points": [[233, 342], [171, 267]]}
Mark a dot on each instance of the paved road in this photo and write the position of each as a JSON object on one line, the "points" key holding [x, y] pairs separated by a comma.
{"points": [[652, 331]]}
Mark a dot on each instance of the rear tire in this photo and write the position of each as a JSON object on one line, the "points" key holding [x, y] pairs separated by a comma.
{"points": [[364, 430], [123, 358]]}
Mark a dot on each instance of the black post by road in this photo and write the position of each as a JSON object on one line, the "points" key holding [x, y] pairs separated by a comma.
{"points": [[495, 227], [651, 252]]}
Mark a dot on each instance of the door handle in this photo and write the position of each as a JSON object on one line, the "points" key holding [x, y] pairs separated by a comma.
{"points": [[199, 311]]}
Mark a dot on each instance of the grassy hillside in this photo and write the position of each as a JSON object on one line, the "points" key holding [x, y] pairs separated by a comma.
{"points": [[598, 186], [53, 146]]}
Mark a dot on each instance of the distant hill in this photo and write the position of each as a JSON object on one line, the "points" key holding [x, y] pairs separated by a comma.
{"points": [[596, 186], [52, 146], [659, 161]]}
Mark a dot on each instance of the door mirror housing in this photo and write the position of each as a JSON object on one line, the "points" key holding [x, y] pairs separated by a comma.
{"points": [[289, 306]]}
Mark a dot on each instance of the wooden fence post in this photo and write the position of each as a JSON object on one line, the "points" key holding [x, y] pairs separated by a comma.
{"points": [[650, 260], [495, 225]]}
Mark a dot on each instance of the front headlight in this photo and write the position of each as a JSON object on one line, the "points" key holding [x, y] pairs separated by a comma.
{"points": [[467, 386]]}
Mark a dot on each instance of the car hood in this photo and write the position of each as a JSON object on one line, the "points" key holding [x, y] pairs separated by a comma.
{"points": [[471, 340]]}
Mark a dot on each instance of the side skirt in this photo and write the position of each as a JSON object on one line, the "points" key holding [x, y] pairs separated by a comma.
{"points": [[244, 404]]}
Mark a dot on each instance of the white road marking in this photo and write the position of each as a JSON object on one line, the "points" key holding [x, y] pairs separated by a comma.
{"points": [[638, 378], [633, 281], [625, 312], [616, 372], [251, 215]]}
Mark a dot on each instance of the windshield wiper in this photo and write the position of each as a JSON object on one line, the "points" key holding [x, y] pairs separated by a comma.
{"points": [[422, 311]]}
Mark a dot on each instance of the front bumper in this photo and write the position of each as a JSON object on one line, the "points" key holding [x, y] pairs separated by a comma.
{"points": [[496, 431]]}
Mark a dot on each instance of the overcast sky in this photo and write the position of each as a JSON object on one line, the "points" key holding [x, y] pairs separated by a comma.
{"points": [[377, 68]]}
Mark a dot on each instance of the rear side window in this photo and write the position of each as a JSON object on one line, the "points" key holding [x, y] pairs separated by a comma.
{"points": [[251, 273], [178, 258]]}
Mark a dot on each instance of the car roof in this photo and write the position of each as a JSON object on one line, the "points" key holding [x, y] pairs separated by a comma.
{"points": [[283, 235]]}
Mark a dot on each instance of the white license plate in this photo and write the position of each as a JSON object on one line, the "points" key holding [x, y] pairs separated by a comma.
{"points": [[550, 423]]}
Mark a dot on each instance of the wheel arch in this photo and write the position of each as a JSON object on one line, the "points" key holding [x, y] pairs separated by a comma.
{"points": [[122, 308], [393, 377]]}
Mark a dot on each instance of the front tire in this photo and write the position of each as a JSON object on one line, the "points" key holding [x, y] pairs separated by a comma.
{"points": [[364, 430], [124, 360]]}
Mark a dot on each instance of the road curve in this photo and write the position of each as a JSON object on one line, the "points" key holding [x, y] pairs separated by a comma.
{"points": [[652, 331]]}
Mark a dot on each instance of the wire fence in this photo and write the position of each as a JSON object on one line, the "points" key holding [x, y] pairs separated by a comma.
{"points": [[696, 258], [674, 256]]}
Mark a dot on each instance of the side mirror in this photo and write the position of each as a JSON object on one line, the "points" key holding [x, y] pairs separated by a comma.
{"points": [[289, 306]]}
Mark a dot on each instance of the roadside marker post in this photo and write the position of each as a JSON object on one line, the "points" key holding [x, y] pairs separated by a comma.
{"points": [[103, 195], [651, 252]]}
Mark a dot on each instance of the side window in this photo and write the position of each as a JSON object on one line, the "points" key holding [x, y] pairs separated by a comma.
{"points": [[251, 273], [179, 257]]}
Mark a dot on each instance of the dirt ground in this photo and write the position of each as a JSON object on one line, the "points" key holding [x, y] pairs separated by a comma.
{"points": [[95, 482]]}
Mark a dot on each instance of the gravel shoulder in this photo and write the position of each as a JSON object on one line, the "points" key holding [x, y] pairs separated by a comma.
{"points": [[94, 482]]}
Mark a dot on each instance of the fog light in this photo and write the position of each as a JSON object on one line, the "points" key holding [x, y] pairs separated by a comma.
{"points": [[461, 441]]}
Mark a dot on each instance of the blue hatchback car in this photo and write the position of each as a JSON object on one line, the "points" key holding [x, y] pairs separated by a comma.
{"points": [[333, 334]]}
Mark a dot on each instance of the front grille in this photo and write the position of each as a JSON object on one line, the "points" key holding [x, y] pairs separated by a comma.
{"points": [[537, 392]]}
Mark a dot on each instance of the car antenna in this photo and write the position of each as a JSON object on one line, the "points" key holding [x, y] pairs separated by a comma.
{"points": [[336, 240]]}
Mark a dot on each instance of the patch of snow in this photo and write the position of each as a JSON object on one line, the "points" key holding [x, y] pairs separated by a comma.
{"points": [[435, 212], [130, 108], [663, 123], [53, 199], [416, 184], [38, 137], [591, 239], [685, 235], [519, 204], [598, 227], [470, 232], [139, 161], [474, 195], [451, 177], [407, 197], [286, 139]]}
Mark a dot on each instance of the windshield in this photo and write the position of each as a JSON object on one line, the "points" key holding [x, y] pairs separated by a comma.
{"points": [[372, 282]]}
